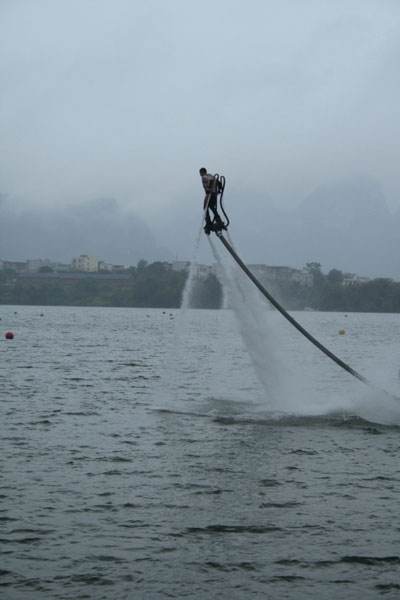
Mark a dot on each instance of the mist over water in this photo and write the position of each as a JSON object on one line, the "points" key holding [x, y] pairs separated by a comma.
{"points": [[252, 318], [188, 289], [288, 386], [175, 367], [291, 376]]}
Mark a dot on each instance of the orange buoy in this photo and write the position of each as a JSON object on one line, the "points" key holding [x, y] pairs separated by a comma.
{"points": [[9, 335]]}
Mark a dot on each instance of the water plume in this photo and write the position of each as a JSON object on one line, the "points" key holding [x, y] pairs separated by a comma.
{"points": [[252, 315], [295, 376], [188, 288], [177, 364]]}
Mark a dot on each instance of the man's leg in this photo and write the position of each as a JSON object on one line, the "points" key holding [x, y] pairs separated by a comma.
{"points": [[208, 225], [218, 223], [206, 208]]}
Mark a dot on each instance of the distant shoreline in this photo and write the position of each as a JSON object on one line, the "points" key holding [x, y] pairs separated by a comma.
{"points": [[157, 285]]}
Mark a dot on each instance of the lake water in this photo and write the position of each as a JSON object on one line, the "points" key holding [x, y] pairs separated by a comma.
{"points": [[160, 454]]}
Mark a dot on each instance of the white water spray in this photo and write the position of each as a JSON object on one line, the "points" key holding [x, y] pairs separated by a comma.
{"points": [[188, 289], [293, 390], [255, 327]]}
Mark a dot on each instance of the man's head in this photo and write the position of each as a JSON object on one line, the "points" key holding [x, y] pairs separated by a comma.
{"points": [[203, 171]]}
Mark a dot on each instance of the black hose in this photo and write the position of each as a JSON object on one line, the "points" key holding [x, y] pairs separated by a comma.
{"points": [[287, 316], [222, 180]]}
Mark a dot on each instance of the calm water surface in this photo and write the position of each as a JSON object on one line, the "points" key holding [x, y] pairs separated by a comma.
{"points": [[141, 458]]}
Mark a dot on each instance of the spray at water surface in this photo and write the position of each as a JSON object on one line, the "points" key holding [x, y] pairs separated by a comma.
{"points": [[293, 377], [288, 386]]}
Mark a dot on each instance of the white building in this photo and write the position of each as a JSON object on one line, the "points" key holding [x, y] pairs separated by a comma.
{"points": [[34, 264], [16, 265], [85, 263], [269, 274], [104, 266], [350, 279], [60, 267]]}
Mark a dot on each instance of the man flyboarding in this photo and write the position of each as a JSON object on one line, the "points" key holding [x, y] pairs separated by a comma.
{"points": [[212, 187]]}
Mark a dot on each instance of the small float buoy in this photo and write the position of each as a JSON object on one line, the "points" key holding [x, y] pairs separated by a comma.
{"points": [[342, 332], [9, 335]]}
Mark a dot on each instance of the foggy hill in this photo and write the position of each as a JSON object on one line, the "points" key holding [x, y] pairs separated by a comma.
{"points": [[99, 227], [345, 224]]}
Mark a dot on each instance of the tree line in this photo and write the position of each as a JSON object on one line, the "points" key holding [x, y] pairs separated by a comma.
{"points": [[153, 285], [333, 292], [156, 285]]}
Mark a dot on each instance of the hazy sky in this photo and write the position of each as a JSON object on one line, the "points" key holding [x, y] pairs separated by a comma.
{"points": [[128, 98]]}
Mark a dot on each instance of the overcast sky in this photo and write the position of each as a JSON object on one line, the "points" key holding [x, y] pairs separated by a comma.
{"points": [[128, 98]]}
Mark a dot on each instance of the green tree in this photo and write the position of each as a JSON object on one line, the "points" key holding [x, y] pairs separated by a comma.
{"points": [[335, 277], [46, 269]]}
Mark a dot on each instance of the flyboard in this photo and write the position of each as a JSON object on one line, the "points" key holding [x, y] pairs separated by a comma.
{"points": [[218, 226]]}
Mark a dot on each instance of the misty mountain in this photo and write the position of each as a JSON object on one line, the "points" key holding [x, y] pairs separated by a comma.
{"points": [[99, 227], [345, 224]]}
